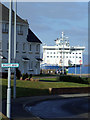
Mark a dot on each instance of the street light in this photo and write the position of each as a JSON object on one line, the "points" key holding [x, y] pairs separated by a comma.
{"points": [[9, 61]]}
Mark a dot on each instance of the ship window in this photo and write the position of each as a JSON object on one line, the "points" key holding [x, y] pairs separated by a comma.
{"points": [[54, 52], [47, 56], [79, 53], [51, 56], [54, 56], [79, 57], [70, 56], [57, 56], [60, 56], [73, 56], [66, 56], [73, 53], [51, 52], [76, 53], [76, 56], [47, 52]]}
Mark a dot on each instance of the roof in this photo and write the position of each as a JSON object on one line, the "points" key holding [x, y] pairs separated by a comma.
{"points": [[31, 37], [5, 15]]}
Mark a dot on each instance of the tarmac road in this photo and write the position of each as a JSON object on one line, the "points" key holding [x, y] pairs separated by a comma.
{"points": [[28, 108], [61, 108]]}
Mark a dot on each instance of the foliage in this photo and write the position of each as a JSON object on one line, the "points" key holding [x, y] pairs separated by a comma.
{"points": [[18, 73], [74, 79], [24, 76]]}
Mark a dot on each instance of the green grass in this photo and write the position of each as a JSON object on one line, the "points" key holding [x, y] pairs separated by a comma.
{"points": [[28, 88]]}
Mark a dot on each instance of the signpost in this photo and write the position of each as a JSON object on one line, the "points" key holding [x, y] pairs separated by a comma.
{"points": [[80, 67], [9, 65]]}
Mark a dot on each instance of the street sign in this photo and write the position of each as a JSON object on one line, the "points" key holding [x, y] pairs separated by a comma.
{"points": [[9, 65], [80, 62]]}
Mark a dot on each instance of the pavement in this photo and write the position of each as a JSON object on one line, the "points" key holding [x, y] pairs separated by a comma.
{"points": [[18, 105]]}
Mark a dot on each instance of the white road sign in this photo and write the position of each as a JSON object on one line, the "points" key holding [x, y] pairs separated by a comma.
{"points": [[9, 65]]}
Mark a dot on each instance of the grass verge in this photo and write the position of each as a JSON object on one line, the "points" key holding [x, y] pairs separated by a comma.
{"points": [[28, 88]]}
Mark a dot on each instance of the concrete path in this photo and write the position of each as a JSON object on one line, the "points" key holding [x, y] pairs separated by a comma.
{"points": [[18, 105]]}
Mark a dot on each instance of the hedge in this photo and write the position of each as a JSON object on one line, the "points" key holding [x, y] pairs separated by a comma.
{"points": [[74, 79]]}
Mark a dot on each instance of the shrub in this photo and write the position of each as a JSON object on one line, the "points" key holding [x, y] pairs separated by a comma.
{"points": [[74, 79], [24, 76], [18, 73]]}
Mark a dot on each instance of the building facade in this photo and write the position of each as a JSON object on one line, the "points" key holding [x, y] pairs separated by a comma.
{"points": [[27, 45], [62, 54]]}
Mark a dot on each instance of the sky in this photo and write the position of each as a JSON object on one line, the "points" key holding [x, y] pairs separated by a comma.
{"points": [[48, 19]]}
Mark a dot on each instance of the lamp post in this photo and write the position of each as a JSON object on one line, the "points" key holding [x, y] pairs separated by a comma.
{"points": [[15, 38], [63, 51], [75, 63], [9, 60]]}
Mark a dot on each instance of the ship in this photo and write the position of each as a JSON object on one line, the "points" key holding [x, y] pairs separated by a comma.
{"points": [[62, 54]]}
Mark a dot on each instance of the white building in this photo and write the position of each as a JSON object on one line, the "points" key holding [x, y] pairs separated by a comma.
{"points": [[62, 54], [27, 47]]}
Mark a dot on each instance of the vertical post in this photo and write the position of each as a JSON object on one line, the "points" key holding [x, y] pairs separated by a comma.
{"points": [[15, 37], [63, 51], [80, 70], [75, 63], [9, 60]]}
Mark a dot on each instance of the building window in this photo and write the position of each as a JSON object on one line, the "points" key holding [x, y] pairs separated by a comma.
{"points": [[76, 53], [7, 45], [50, 52], [16, 46], [0, 45], [5, 28], [37, 47], [23, 46], [32, 65], [29, 64], [79, 57], [20, 30], [54, 52], [47, 56], [47, 52], [79, 53], [54, 56], [76, 56], [51, 56], [30, 47]]}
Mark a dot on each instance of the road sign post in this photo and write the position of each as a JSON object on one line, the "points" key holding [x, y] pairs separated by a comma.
{"points": [[80, 67], [15, 38]]}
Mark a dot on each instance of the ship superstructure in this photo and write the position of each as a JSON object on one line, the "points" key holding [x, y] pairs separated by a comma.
{"points": [[62, 54]]}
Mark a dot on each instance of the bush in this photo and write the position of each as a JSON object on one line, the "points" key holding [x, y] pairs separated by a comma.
{"points": [[18, 73], [24, 76], [74, 79]]}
